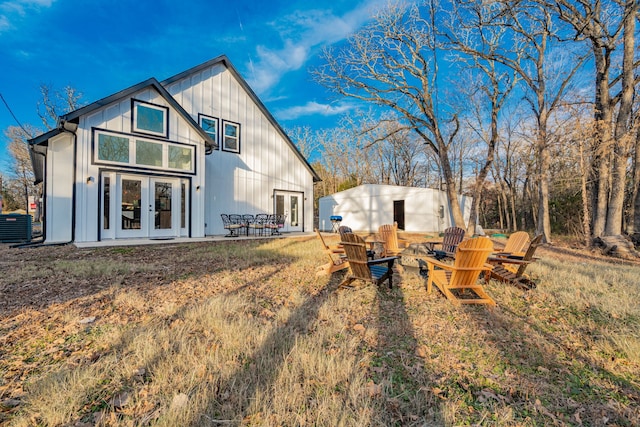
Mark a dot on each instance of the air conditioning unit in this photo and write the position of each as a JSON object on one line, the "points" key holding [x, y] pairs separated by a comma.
{"points": [[15, 228]]}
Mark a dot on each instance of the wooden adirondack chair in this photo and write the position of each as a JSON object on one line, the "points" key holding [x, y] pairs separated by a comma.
{"points": [[337, 258], [392, 245], [459, 281], [363, 269], [516, 244], [452, 237], [511, 268]]}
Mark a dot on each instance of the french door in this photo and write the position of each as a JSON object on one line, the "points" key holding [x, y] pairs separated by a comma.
{"points": [[148, 207], [291, 205]]}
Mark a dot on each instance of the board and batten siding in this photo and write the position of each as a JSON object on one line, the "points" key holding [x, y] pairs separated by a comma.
{"points": [[117, 117], [367, 206], [242, 183]]}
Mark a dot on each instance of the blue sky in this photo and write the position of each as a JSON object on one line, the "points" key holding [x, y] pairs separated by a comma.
{"points": [[101, 47]]}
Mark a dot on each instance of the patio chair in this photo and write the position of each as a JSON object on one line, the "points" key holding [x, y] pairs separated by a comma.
{"points": [[238, 222], [275, 223], [363, 269], [392, 245], [258, 224], [343, 229], [228, 224], [271, 224], [517, 244], [511, 268], [459, 281], [450, 240], [337, 258]]}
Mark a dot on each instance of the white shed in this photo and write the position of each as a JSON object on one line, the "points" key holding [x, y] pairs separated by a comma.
{"points": [[366, 207]]}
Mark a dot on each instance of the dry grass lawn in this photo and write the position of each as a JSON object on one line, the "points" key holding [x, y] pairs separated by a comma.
{"points": [[242, 333]]}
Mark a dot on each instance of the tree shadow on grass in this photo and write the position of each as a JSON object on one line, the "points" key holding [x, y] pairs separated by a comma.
{"points": [[260, 370], [399, 378]]}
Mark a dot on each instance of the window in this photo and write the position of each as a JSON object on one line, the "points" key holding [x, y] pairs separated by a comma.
{"points": [[113, 148], [149, 118], [210, 126], [148, 153], [231, 137], [122, 149], [180, 157]]}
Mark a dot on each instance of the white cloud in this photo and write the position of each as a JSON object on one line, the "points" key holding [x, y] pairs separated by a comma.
{"points": [[16, 10], [304, 31], [312, 108], [4, 23]]}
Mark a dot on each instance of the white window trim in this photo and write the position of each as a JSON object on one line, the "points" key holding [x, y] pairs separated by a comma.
{"points": [[216, 140], [134, 121], [223, 137]]}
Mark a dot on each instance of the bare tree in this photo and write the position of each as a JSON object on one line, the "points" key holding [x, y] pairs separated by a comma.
{"points": [[21, 185], [607, 26], [475, 33], [391, 63], [54, 103], [546, 82]]}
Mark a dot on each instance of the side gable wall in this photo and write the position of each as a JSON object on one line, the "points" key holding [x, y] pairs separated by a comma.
{"points": [[245, 182]]}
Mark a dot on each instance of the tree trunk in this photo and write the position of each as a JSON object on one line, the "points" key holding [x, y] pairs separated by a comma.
{"points": [[603, 116], [633, 222], [586, 225], [622, 129], [450, 184]]}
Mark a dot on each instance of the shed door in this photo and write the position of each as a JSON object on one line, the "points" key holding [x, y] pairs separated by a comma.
{"points": [[398, 213]]}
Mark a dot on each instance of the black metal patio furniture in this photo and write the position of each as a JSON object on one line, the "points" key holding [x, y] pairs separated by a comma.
{"points": [[258, 224], [230, 225]]}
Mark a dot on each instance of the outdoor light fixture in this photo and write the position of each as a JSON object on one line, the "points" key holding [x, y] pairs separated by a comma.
{"points": [[198, 188], [89, 179]]}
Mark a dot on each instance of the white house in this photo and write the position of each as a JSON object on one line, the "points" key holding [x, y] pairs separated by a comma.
{"points": [[166, 159], [366, 207]]}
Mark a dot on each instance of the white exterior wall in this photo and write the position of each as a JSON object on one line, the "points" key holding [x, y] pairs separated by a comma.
{"points": [[117, 117], [366, 207], [59, 189], [242, 183]]}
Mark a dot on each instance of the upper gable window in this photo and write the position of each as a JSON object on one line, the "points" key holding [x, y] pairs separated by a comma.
{"points": [[231, 137], [150, 118], [210, 126]]}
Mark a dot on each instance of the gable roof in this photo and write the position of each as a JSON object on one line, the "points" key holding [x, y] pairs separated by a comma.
{"points": [[222, 59], [149, 83]]}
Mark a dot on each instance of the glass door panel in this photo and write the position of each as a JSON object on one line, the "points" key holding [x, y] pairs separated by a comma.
{"points": [[294, 211], [131, 204], [131, 213], [162, 213]]}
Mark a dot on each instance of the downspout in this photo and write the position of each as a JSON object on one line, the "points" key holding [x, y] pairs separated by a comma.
{"points": [[71, 128]]}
